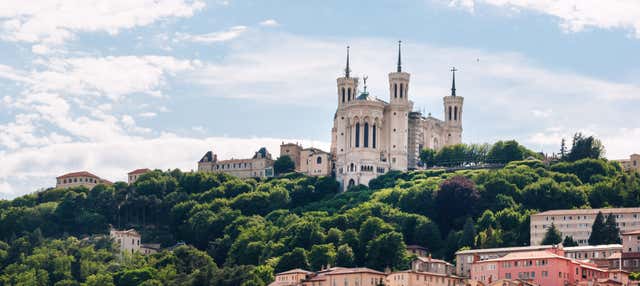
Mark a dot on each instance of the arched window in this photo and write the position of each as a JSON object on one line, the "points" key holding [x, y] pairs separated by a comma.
{"points": [[366, 135], [401, 90], [373, 141], [395, 90], [352, 167], [357, 135], [455, 113], [450, 113], [343, 95], [351, 183], [319, 160], [349, 93]]}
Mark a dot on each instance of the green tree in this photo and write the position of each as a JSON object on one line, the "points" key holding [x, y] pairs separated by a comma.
{"points": [[387, 250], [322, 255], [283, 164], [585, 147], [552, 236], [598, 231], [569, 241], [291, 260], [455, 201], [344, 256], [468, 234], [428, 157], [612, 230]]}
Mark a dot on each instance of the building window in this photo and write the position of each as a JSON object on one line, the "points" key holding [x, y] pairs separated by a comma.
{"points": [[395, 90], [366, 135], [357, 135], [349, 93], [373, 141], [401, 90], [343, 95], [450, 113], [455, 113], [319, 160]]}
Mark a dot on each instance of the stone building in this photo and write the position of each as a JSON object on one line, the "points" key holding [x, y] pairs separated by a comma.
{"points": [[135, 174], [127, 240], [258, 166], [308, 161], [420, 278], [371, 136], [577, 223], [77, 179], [632, 164], [331, 276]]}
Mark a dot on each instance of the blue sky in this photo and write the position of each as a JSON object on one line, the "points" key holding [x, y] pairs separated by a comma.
{"points": [[109, 86]]}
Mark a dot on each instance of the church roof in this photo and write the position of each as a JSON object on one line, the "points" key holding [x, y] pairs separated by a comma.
{"points": [[364, 96]]}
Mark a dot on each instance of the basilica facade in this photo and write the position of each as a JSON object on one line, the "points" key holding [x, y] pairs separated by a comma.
{"points": [[371, 136]]}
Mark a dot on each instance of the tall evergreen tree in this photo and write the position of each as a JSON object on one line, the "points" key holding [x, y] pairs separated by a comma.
{"points": [[552, 236], [468, 234], [569, 241], [563, 149], [612, 230], [598, 231]]}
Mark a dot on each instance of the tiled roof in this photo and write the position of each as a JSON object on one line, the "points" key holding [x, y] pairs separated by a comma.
{"points": [[427, 259], [588, 211], [354, 270], [539, 254], [78, 174], [504, 249], [139, 171], [292, 271], [632, 232]]}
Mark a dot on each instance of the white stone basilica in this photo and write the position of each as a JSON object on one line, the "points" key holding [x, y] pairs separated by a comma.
{"points": [[371, 136]]}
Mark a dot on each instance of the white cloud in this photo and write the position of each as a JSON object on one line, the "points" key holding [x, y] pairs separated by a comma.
{"points": [[148, 114], [56, 21], [542, 113], [575, 14], [113, 159], [215, 37], [269, 23]]}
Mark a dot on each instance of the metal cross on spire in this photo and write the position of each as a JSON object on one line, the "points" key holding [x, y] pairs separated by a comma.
{"points": [[453, 84]]}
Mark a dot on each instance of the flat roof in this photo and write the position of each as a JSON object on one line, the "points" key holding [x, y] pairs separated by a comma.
{"points": [[588, 211]]}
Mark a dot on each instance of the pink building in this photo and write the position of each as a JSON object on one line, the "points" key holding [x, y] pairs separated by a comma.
{"points": [[543, 267]]}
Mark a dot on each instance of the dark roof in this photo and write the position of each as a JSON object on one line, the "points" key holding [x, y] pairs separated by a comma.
{"points": [[364, 96], [139, 171], [208, 157]]}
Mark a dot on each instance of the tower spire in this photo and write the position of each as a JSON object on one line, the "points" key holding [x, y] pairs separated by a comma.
{"points": [[347, 70], [399, 56], [453, 83]]}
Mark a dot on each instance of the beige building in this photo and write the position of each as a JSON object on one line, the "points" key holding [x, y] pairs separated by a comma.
{"points": [[330, 277], [308, 161], [631, 164], [418, 278], [135, 174], [78, 179], [149, 248], [258, 166], [432, 265], [128, 240], [371, 136], [599, 254], [577, 223], [418, 250], [631, 241], [292, 277]]}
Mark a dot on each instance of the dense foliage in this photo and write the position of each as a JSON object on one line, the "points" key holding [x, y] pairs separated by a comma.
{"points": [[501, 152], [240, 232]]}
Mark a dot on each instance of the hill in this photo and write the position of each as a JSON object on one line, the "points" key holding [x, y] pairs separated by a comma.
{"points": [[239, 232]]}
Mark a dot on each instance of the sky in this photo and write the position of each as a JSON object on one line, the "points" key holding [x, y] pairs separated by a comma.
{"points": [[110, 86]]}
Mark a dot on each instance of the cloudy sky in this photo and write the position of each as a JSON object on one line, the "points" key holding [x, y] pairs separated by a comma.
{"points": [[109, 86]]}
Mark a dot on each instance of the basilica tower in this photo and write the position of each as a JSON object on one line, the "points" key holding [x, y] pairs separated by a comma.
{"points": [[453, 114], [397, 116], [347, 85]]}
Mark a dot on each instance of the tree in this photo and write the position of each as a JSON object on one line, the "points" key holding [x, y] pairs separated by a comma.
{"points": [[506, 151], [552, 236], [283, 164], [585, 147], [563, 149], [598, 231], [291, 260], [387, 250], [344, 256], [322, 255], [468, 234], [568, 241], [612, 230], [455, 201], [428, 157]]}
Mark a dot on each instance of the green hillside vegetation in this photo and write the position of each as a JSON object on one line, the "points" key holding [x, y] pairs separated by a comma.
{"points": [[241, 232]]}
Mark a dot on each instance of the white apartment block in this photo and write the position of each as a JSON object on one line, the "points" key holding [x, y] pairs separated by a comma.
{"points": [[577, 223]]}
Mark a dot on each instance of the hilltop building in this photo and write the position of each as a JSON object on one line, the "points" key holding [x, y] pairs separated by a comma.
{"points": [[77, 179], [308, 161], [258, 166], [371, 136], [127, 240], [577, 223], [329, 277], [632, 164], [135, 174]]}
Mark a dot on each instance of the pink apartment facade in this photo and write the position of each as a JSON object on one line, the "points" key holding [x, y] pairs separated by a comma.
{"points": [[543, 267]]}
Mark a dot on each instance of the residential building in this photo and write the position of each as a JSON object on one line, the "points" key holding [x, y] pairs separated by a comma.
{"points": [[601, 255], [127, 240], [149, 248], [329, 277], [432, 265], [258, 166], [135, 174], [77, 179], [631, 240], [577, 223], [308, 161], [420, 278], [418, 250], [632, 164], [544, 267], [292, 277], [371, 136]]}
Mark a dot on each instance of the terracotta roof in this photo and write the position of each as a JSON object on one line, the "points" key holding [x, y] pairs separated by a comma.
{"points": [[504, 249], [588, 211], [539, 254], [139, 171], [78, 174], [354, 270], [427, 259], [292, 271]]}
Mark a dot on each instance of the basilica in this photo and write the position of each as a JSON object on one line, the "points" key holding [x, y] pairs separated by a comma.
{"points": [[371, 136]]}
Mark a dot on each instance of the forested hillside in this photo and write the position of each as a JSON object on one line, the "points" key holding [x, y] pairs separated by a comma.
{"points": [[240, 232]]}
